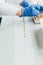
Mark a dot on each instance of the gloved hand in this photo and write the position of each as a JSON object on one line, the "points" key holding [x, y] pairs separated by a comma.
{"points": [[37, 7], [27, 4], [24, 3], [41, 8], [30, 11]]}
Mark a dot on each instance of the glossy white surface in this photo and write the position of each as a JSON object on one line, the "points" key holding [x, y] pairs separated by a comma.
{"points": [[41, 23], [7, 41], [17, 50]]}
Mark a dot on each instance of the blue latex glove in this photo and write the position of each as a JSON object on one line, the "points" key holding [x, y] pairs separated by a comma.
{"points": [[30, 11], [37, 7], [41, 8], [27, 4], [24, 4]]}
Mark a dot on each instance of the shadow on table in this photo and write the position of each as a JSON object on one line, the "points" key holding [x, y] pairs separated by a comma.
{"points": [[39, 39]]}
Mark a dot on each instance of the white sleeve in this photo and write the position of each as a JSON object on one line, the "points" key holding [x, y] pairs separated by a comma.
{"points": [[8, 9]]}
